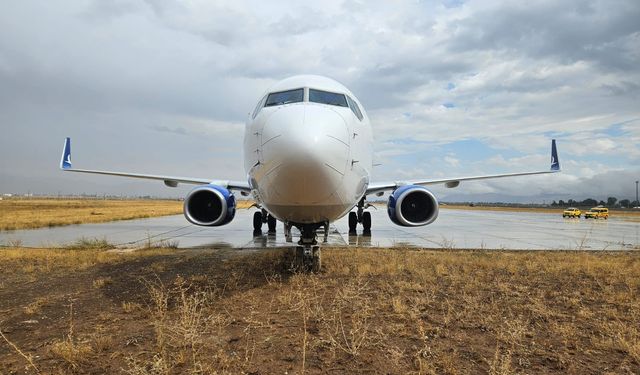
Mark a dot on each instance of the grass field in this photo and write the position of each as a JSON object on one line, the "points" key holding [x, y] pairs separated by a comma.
{"points": [[38, 213], [162, 311]]}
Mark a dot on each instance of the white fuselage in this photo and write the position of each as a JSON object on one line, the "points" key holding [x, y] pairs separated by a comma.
{"points": [[308, 162]]}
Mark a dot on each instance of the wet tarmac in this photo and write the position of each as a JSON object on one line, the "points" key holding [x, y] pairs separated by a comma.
{"points": [[454, 229]]}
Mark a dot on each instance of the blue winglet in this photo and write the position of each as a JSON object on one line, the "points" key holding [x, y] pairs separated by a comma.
{"points": [[65, 161], [555, 162]]}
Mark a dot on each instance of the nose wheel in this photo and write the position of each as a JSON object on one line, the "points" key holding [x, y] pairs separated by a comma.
{"points": [[308, 258], [307, 253]]}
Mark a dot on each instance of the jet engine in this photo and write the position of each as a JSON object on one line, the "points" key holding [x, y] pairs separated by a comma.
{"points": [[412, 206], [210, 206]]}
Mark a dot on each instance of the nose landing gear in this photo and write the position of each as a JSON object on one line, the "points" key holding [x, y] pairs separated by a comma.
{"points": [[307, 253], [308, 258]]}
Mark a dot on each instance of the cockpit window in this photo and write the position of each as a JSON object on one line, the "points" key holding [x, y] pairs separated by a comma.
{"points": [[285, 97], [354, 108], [259, 107], [325, 97]]}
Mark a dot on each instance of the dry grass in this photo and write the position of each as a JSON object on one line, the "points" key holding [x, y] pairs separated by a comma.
{"points": [[35, 306], [29, 263], [69, 348], [101, 282], [37, 213], [370, 310], [130, 307], [50, 212]]}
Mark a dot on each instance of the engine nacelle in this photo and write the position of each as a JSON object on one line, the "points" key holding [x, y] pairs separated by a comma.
{"points": [[412, 206], [210, 206]]}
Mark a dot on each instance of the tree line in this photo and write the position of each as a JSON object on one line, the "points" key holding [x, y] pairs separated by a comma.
{"points": [[590, 202]]}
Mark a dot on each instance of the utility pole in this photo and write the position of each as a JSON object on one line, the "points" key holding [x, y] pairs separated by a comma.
{"points": [[637, 202]]}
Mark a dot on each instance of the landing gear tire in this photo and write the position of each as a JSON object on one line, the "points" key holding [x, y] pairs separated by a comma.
{"points": [[366, 222], [271, 223], [307, 253], [316, 261], [287, 232], [307, 259], [298, 259], [353, 222], [257, 222]]}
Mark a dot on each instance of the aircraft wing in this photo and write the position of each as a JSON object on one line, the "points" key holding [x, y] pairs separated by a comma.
{"points": [[379, 188], [171, 181]]}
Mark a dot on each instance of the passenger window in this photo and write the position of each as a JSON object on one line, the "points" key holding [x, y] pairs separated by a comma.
{"points": [[284, 97], [354, 108], [325, 97]]}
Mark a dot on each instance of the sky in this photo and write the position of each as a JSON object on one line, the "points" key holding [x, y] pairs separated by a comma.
{"points": [[452, 88]]}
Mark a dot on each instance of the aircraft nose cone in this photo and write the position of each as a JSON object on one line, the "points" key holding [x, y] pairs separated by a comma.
{"points": [[306, 152]]}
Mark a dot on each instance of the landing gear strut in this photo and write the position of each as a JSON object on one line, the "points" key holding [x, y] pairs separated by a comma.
{"points": [[361, 216], [287, 232]]}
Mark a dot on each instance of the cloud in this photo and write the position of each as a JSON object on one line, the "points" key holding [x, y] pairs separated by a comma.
{"points": [[478, 87], [452, 161]]}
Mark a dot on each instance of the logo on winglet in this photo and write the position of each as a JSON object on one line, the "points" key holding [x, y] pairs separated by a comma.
{"points": [[555, 164], [65, 162]]}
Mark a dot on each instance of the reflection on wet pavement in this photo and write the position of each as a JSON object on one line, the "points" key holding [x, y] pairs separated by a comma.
{"points": [[453, 229], [360, 240]]}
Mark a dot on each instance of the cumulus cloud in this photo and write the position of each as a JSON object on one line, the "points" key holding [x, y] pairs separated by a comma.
{"points": [[452, 161], [168, 84]]}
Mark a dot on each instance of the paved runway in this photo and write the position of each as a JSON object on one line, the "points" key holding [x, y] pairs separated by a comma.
{"points": [[459, 229]]}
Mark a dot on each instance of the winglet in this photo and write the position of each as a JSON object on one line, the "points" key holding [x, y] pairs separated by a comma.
{"points": [[555, 163], [65, 161]]}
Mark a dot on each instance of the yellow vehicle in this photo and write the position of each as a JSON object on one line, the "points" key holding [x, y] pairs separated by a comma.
{"points": [[572, 212], [597, 213]]}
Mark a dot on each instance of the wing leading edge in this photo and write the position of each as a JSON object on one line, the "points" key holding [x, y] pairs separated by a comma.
{"points": [[378, 188], [171, 181]]}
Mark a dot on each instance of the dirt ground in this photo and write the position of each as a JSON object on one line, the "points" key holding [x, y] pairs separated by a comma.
{"points": [[163, 311]]}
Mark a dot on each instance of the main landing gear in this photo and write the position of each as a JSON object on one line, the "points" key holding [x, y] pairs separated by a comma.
{"points": [[261, 217], [361, 216]]}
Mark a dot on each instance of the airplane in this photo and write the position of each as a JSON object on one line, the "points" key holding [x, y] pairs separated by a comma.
{"points": [[308, 156]]}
